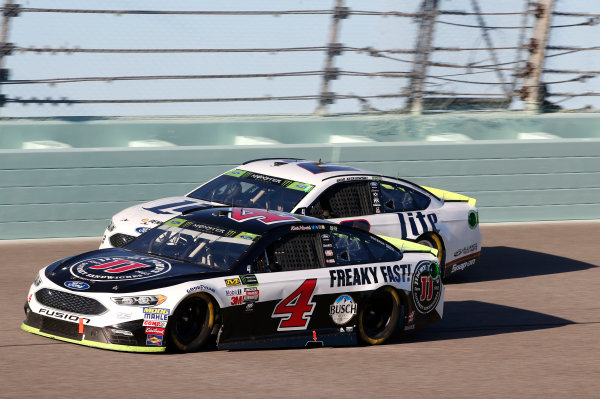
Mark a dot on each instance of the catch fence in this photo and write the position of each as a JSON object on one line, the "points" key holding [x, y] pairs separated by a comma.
{"points": [[425, 57]]}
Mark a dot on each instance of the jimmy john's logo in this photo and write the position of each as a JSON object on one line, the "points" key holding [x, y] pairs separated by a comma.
{"points": [[426, 290], [110, 268], [343, 309]]}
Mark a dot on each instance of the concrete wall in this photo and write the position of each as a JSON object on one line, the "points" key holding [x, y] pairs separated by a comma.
{"points": [[74, 191], [121, 132]]}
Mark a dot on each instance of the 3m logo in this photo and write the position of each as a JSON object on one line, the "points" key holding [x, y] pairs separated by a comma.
{"points": [[232, 281], [267, 217], [237, 300], [120, 266]]}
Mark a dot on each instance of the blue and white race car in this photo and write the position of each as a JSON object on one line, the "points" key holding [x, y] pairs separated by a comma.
{"points": [[240, 278], [446, 221]]}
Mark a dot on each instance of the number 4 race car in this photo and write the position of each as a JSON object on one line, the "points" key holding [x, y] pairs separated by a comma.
{"points": [[240, 278], [446, 221]]}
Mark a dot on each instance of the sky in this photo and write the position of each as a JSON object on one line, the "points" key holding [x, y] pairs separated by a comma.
{"points": [[107, 31]]}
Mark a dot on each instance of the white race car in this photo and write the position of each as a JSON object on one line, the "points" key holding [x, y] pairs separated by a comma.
{"points": [[240, 278], [446, 221]]}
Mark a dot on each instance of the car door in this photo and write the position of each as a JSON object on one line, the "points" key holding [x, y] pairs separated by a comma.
{"points": [[355, 204], [280, 297]]}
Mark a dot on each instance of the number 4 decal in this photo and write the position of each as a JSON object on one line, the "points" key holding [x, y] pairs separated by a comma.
{"points": [[296, 309]]}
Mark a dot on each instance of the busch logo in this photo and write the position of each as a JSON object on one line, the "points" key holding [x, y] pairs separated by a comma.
{"points": [[343, 309]]}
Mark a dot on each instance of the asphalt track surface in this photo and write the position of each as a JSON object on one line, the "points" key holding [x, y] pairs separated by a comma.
{"points": [[525, 323]]}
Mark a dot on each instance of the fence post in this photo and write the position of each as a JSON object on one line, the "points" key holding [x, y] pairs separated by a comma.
{"points": [[333, 49], [428, 13], [533, 89], [10, 10]]}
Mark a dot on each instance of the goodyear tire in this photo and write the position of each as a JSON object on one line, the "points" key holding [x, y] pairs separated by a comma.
{"points": [[379, 316], [191, 323], [434, 241]]}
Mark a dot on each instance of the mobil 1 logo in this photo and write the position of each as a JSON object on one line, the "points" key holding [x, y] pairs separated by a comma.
{"points": [[426, 290]]}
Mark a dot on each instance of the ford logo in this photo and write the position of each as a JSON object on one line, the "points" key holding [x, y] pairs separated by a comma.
{"points": [[77, 285], [142, 230]]}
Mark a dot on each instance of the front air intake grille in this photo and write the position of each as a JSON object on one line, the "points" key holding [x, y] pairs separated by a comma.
{"points": [[60, 328], [123, 340], [69, 302], [118, 240]]}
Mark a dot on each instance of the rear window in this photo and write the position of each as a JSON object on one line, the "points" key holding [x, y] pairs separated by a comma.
{"points": [[399, 198]]}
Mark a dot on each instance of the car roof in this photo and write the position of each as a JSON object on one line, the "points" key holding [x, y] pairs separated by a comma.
{"points": [[301, 170], [251, 220]]}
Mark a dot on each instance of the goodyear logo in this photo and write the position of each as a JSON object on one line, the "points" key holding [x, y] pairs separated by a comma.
{"points": [[232, 281]]}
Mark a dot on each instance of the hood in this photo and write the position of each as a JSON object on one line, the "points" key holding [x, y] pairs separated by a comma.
{"points": [[154, 212], [118, 270]]}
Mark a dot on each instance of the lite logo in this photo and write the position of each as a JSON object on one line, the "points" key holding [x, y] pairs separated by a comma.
{"points": [[418, 222]]}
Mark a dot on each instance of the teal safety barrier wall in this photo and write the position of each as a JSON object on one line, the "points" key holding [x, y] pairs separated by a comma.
{"points": [[49, 190]]}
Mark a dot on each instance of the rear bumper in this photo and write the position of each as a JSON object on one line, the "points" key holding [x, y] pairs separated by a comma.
{"points": [[462, 263]]}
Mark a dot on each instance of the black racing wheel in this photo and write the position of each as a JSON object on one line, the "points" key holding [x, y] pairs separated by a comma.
{"points": [[379, 316], [190, 325]]}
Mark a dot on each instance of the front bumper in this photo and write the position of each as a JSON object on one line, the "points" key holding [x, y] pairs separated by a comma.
{"points": [[127, 337]]}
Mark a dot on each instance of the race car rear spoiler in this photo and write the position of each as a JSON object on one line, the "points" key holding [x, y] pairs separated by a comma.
{"points": [[450, 196], [409, 246]]}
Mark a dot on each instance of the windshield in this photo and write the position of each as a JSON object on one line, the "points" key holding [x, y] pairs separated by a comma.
{"points": [[253, 190], [192, 242]]}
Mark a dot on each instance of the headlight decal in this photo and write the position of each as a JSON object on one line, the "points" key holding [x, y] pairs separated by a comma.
{"points": [[139, 300]]}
